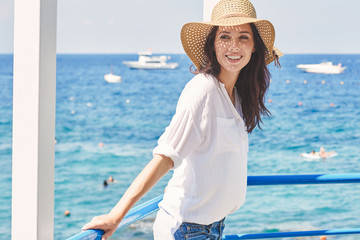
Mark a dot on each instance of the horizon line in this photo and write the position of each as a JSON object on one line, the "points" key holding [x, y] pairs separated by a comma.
{"points": [[178, 53]]}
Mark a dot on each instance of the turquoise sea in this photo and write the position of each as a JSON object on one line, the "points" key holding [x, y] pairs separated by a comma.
{"points": [[105, 129]]}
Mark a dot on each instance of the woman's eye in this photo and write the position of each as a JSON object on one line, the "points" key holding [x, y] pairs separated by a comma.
{"points": [[244, 37], [224, 37]]}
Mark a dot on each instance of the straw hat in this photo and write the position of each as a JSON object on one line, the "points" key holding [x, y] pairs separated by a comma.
{"points": [[227, 13]]}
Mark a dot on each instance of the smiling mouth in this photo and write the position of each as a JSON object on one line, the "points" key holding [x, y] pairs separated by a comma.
{"points": [[233, 57]]}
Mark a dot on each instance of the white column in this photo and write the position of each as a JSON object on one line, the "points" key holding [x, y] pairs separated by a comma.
{"points": [[208, 7], [33, 119]]}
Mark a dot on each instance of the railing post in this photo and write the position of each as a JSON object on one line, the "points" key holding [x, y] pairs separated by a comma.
{"points": [[207, 9], [33, 120]]}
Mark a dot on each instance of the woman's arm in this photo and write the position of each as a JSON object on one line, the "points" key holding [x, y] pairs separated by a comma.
{"points": [[148, 177]]}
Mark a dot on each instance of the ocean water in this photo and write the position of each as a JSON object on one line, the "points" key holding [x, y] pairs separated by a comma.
{"points": [[105, 129]]}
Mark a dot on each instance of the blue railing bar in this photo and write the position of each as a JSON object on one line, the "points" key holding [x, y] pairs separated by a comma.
{"points": [[293, 234], [139, 212], [92, 234], [97, 234], [151, 206], [303, 179], [135, 214]]}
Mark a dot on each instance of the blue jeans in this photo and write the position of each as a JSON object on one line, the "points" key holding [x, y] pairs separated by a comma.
{"points": [[194, 231]]}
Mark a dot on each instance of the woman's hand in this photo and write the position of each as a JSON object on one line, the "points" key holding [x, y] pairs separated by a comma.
{"points": [[150, 175], [103, 222]]}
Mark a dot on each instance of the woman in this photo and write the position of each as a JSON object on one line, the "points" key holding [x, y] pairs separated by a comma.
{"points": [[206, 143]]}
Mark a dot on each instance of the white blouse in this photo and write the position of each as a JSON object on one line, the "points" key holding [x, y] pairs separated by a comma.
{"points": [[208, 143]]}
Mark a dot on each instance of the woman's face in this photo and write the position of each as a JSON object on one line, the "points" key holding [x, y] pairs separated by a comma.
{"points": [[234, 46]]}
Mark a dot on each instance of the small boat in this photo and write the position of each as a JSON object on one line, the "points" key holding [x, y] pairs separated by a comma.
{"points": [[147, 61], [112, 78], [317, 156], [324, 67]]}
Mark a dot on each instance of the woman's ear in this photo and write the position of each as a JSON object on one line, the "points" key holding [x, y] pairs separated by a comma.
{"points": [[253, 50]]}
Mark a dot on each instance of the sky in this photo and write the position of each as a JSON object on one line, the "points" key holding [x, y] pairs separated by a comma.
{"points": [[120, 26]]}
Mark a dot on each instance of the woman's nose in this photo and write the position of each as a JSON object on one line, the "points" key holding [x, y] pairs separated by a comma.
{"points": [[234, 45]]}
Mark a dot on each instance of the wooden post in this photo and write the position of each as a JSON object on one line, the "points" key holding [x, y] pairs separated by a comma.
{"points": [[34, 119]]}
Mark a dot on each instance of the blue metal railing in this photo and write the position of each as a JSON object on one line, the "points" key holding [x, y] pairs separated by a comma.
{"points": [[151, 206], [293, 234]]}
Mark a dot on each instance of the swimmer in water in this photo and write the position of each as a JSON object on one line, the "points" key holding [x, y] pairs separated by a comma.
{"points": [[324, 154], [111, 179], [321, 153]]}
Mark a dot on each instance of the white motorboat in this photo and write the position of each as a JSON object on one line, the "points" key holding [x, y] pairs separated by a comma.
{"points": [[324, 67], [147, 61]]}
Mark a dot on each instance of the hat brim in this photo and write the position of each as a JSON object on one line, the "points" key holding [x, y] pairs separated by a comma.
{"points": [[193, 37]]}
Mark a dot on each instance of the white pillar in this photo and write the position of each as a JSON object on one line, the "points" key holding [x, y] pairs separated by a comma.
{"points": [[208, 7], [33, 120]]}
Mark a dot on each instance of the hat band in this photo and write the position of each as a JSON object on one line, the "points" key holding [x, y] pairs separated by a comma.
{"points": [[233, 15]]}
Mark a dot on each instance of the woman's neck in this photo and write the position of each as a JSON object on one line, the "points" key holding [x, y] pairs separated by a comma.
{"points": [[229, 80]]}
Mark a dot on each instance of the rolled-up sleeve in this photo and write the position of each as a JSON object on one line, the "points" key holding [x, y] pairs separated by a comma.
{"points": [[181, 137]]}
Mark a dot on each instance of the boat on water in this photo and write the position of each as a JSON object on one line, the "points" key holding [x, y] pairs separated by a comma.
{"points": [[324, 67], [112, 78], [147, 61]]}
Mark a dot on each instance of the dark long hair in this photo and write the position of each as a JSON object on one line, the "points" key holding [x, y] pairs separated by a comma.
{"points": [[253, 80]]}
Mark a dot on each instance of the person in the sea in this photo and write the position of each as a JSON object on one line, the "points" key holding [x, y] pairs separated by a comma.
{"points": [[105, 183], [321, 153], [111, 179], [324, 154], [206, 143]]}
